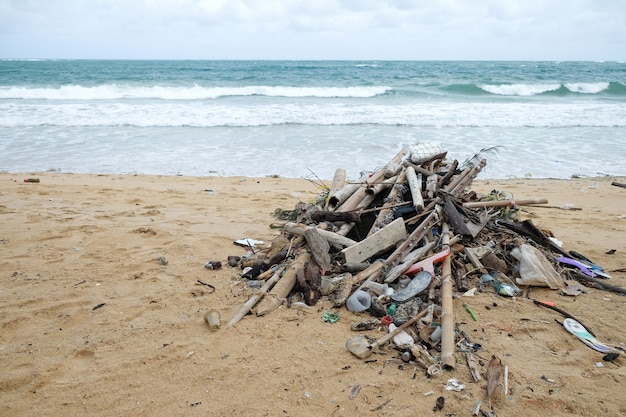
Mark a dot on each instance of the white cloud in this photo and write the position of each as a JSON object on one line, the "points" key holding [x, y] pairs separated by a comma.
{"points": [[297, 29]]}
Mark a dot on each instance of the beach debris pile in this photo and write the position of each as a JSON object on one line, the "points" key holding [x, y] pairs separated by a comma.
{"points": [[398, 246]]}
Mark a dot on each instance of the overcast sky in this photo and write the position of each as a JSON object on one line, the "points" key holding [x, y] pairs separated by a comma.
{"points": [[315, 29]]}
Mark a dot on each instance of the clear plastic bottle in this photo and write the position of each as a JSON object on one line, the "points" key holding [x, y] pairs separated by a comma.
{"points": [[503, 288]]}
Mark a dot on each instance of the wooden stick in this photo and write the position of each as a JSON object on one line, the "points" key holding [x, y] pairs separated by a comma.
{"points": [[247, 306], [459, 183], [398, 329], [281, 290], [454, 187], [598, 283], [379, 223], [413, 256], [503, 203], [415, 185], [472, 363], [506, 381], [378, 187], [354, 200], [418, 168], [447, 315]]}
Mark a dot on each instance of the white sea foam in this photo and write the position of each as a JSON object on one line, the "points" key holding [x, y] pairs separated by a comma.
{"points": [[587, 88], [116, 92], [159, 113], [519, 89]]}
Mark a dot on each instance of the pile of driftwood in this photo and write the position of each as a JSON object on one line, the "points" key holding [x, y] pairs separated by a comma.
{"points": [[398, 244]]}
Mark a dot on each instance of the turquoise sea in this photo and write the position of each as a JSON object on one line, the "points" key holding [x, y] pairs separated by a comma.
{"points": [[304, 118]]}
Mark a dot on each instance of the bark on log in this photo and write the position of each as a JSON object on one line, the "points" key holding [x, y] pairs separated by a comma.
{"points": [[341, 195], [319, 247], [455, 219], [335, 216]]}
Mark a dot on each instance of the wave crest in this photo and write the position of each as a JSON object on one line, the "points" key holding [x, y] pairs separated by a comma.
{"points": [[537, 89], [116, 92]]}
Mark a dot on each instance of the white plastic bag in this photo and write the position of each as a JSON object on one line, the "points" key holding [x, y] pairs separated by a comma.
{"points": [[535, 269]]}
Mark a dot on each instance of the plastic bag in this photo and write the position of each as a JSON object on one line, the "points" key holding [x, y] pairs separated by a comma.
{"points": [[535, 269]]}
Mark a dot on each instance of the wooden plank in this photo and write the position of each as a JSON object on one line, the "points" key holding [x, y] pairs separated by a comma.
{"points": [[319, 247], [376, 243], [334, 239]]}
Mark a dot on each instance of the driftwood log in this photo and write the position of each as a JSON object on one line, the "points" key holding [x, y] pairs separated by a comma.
{"points": [[336, 216], [281, 290], [318, 248]]}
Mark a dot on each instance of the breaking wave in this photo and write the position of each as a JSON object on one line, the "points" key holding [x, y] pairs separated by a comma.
{"points": [[117, 92]]}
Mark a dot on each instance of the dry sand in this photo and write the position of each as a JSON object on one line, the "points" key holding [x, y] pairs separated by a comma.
{"points": [[74, 242]]}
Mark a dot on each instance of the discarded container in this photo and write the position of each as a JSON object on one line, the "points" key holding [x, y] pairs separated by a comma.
{"points": [[507, 290], [212, 317], [377, 288], [359, 347], [435, 336], [502, 288], [31, 180], [359, 301]]}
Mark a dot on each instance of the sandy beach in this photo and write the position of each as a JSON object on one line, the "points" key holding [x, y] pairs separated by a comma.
{"points": [[101, 309]]}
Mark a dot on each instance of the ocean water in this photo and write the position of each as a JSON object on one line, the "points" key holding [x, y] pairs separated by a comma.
{"points": [[308, 118]]}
